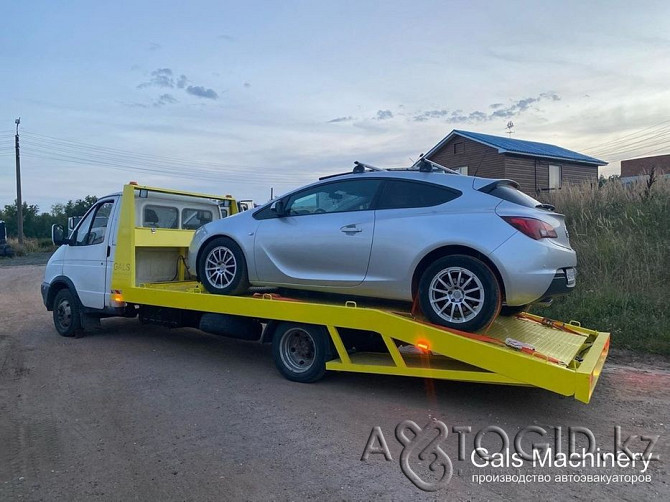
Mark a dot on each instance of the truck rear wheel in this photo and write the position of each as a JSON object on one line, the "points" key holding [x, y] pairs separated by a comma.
{"points": [[300, 351], [66, 313]]}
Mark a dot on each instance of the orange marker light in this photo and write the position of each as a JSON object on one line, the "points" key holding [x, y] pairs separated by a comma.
{"points": [[423, 346], [133, 183]]}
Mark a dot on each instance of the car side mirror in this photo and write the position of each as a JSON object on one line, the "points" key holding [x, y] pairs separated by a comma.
{"points": [[279, 208], [58, 235]]}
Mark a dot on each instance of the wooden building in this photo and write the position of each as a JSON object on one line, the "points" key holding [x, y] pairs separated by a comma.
{"points": [[537, 167]]}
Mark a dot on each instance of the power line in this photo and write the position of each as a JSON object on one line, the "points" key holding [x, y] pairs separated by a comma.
{"points": [[76, 152], [598, 146], [649, 140]]}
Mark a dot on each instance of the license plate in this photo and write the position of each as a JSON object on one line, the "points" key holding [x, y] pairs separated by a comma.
{"points": [[571, 276]]}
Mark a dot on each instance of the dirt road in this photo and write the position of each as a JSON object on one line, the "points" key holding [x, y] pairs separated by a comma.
{"points": [[144, 413]]}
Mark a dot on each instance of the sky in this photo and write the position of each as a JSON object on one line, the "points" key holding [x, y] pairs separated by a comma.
{"points": [[241, 97]]}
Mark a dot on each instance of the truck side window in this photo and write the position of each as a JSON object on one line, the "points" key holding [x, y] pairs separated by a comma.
{"points": [[160, 217], [93, 227], [193, 219]]}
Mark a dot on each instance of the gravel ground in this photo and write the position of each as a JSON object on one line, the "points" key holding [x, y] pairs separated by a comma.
{"points": [[30, 259], [131, 412]]}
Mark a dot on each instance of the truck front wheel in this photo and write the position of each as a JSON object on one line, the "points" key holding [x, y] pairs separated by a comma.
{"points": [[66, 313]]}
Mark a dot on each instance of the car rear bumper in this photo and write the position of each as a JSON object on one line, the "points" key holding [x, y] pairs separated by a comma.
{"points": [[560, 284], [533, 269]]}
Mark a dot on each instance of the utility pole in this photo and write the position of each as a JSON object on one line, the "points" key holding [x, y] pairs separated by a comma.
{"points": [[19, 202]]}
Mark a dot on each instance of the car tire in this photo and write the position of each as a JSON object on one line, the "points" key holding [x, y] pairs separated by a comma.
{"points": [[509, 311], [459, 292], [222, 268], [300, 351], [66, 313]]}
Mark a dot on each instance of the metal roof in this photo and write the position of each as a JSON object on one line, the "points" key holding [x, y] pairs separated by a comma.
{"points": [[521, 147]]}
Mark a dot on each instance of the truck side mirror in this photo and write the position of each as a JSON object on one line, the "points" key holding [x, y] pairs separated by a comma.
{"points": [[58, 235], [279, 208]]}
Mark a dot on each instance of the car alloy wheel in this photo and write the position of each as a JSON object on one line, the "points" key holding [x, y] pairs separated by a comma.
{"points": [[456, 294], [220, 267], [459, 292]]}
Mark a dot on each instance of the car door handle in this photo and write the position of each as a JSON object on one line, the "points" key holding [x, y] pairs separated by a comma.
{"points": [[351, 229]]}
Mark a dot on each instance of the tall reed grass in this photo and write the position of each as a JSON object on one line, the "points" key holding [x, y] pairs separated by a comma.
{"points": [[622, 238]]}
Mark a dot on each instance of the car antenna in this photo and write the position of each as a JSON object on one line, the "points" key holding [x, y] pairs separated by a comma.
{"points": [[480, 162]]}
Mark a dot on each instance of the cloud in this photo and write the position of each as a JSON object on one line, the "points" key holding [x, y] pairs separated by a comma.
{"points": [[201, 92], [341, 119], [500, 111], [162, 77], [384, 115], [550, 95], [430, 114], [165, 99]]}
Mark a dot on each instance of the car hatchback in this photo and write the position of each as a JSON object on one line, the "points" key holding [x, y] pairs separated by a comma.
{"points": [[465, 246]]}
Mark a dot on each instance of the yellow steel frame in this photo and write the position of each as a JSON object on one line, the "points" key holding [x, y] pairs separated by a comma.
{"points": [[449, 355]]}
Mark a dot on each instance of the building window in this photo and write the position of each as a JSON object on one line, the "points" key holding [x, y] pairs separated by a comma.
{"points": [[459, 147], [461, 170], [554, 177]]}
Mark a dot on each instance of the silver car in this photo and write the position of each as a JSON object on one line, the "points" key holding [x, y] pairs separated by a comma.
{"points": [[465, 246]]}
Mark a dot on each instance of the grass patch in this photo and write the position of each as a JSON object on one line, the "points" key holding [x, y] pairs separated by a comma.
{"points": [[622, 238], [31, 245]]}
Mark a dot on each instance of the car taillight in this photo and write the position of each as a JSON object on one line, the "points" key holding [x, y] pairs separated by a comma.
{"points": [[535, 229]]}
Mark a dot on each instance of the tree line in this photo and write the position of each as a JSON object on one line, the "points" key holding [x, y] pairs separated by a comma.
{"points": [[38, 225]]}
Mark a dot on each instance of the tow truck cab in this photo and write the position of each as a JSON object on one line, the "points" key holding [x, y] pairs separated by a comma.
{"points": [[84, 262]]}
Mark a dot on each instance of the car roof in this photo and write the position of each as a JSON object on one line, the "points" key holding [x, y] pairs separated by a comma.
{"points": [[458, 181]]}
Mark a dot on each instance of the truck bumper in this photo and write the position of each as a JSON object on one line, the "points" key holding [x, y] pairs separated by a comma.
{"points": [[44, 288]]}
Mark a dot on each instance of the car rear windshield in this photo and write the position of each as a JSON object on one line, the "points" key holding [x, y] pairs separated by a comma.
{"points": [[511, 194]]}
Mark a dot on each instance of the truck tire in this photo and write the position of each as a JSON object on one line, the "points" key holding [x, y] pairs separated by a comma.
{"points": [[459, 292], [300, 351], [66, 313], [222, 268]]}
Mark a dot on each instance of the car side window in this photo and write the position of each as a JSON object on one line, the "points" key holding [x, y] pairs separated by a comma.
{"points": [[401, 194], [334, 197], [93, 227]]}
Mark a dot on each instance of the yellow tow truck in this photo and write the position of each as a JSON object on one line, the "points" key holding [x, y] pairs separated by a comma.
{"points": [[126, 257]]}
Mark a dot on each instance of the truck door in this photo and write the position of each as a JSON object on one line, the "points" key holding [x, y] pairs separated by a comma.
{"points": [[85, 260]]}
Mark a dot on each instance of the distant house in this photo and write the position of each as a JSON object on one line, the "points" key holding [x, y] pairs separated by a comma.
{"points": [[537, 167], [643, 165]]}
